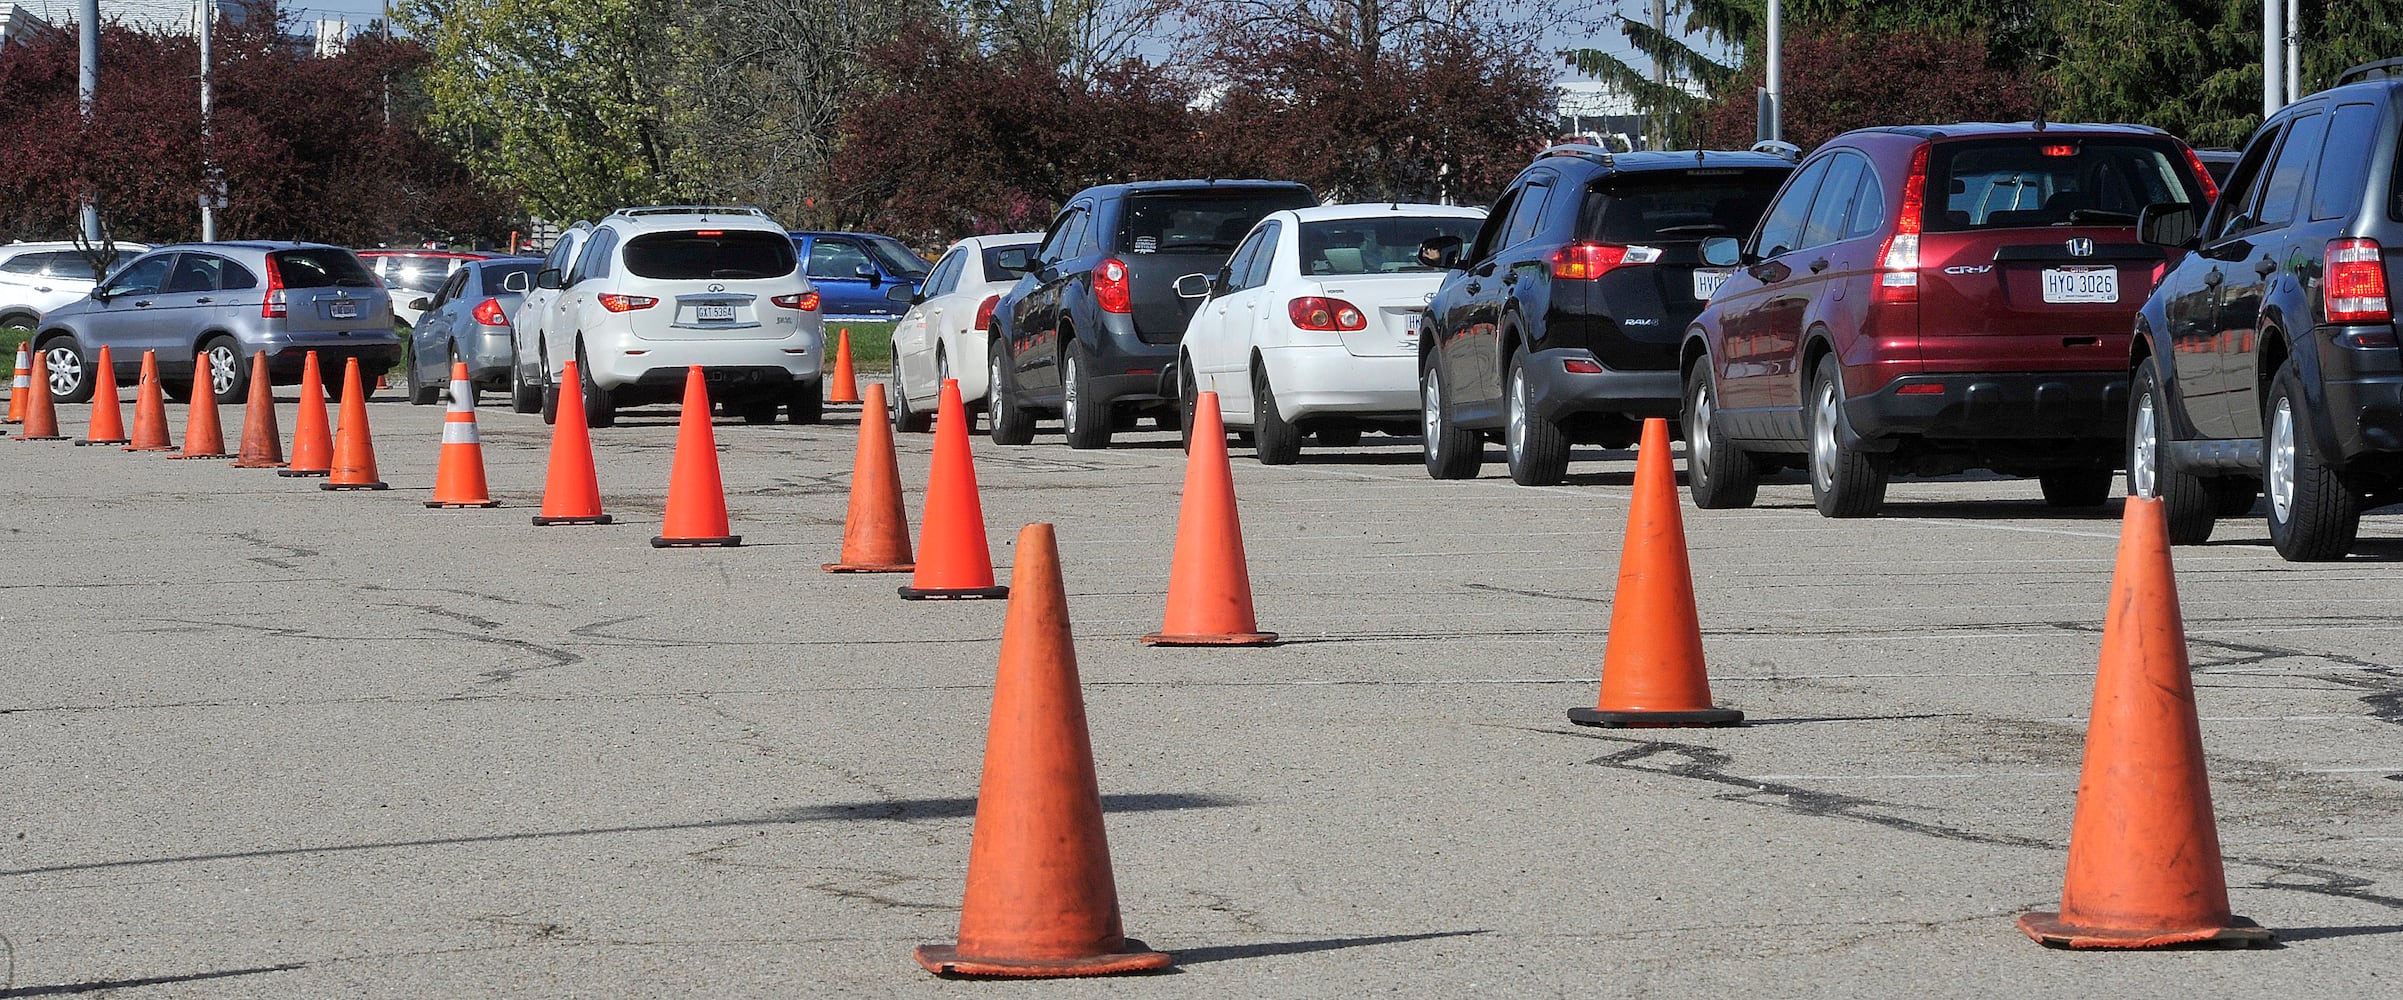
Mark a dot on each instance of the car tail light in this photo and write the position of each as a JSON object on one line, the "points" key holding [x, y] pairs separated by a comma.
{"points": [[709, 232], [488, 312], [984, 313], [2355, 283], [1111, 288], [2210, 187], [1581, 366], [1898, 260], [2060, 150], [1587, 261], [1313, 312], [804, 301], [616, 303], [273, 306]]}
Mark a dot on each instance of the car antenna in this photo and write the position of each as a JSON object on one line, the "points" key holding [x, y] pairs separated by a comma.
{"points": [[1697, 156], [2039, 123]]}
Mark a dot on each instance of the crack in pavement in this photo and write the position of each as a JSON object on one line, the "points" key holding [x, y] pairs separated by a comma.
{"points": [[294, 551]]}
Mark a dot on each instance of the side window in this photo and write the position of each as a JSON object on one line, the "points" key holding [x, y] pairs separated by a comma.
{"points": [[142, 277], [194, 272], [1263, 256], [1489, 236], [2293, 167], [1239, 265], [945, 276], [831, 258], [2345, 163], [1088, 235], [1833, 204], [235, 276], [557, 261], [1868, 208], [594, 261], [1781, 228], [452, 289], [2231, 214], [1055, 243], [1527, 215], [25, 263]]}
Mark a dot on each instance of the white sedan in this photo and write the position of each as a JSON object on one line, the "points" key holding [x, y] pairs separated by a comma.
{"points": [[944, 332], [1312, 326]]}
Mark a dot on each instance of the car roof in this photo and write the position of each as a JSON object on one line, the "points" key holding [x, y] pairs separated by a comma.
{"points": [[45, 246], [1210, 184], [1371, 210], [799, 233], [259, 245], [1975, 130], [653, 218], [437, 254], [990, 240]]}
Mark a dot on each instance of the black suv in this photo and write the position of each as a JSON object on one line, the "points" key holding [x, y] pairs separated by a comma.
{"points": [[1096, 324], [1560, 323], [2266, 360]]}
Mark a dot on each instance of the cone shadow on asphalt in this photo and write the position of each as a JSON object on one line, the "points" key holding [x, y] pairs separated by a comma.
{"points": [[97, 985], [1226, 952]]}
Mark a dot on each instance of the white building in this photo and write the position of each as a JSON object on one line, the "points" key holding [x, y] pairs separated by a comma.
{"points": [[324, 36]]}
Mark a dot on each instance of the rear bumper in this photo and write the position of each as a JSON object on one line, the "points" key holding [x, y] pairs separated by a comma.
{"points": [[1129, 369], [1992, 406], [1557, 394], [1315, 381], [2366, 416], [285, 361], [795, 358]]}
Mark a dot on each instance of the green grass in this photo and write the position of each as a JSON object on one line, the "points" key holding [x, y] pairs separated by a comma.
{"points": [[10, 337], [871, 346]]}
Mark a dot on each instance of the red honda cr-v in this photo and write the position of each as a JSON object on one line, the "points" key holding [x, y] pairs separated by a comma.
{"points": [[1924, 300]]}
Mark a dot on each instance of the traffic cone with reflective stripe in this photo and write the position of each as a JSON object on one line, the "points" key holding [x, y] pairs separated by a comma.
{"points": [[354, 444], [203, 436], [262, 446], [459, 474], [150, 410], [843, 385], [108, 419], [1042, 900], [572, 494], [2144, 861], [1652, 672], [312, 438], [876, 531], [41, 415], [1209, 583], [21, 385], [953, 562], [696, 501]]}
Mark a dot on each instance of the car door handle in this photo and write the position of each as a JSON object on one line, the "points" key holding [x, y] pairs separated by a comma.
{"points": [[2264, 266], [2212, 277], [41, 288], [142, 303], [1819, 265], [204, 300], [1471, 288]]}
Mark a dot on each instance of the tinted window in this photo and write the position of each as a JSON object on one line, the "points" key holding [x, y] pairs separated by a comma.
{"points": [[1692, 204], [1197, 222], [996, 270], [1489, 236], [143, 276], [734, 253], [1833, 204], [897, 259], [496, 276], [416, 274], [1256, 273], [320, 267], [1375, 246], [2294, 163], [1868, 208], [1239, 265], [195, 272], [2228, 214], [557, 261], [2345, 163], [946, 274], [1064, 232], [594, 261], [232, 276], [51, 264], [1781, 231], [1527, 215], [2018, 183]]}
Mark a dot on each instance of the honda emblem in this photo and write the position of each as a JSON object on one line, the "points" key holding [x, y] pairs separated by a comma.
{"points": [[2081, 247]]}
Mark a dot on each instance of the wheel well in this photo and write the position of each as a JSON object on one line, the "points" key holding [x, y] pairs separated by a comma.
{"points": [[2139, 348], [1692, 354], [1813, 349], [2273, 356], [19, 318], [1510, 344]]}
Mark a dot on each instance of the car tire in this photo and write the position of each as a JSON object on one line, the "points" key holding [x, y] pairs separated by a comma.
{"points": [[1845, 482], [229, 375], [759, 411], [2076, 487], [63, 369], [1719, 475], [1011, 424], [1086, 423], [550, 392], [1537, 452], [19, 321], [1274, 441], [2185, 498], [2314, 514], [1188, 400], [804, 403], [178, 390], [1452, 451], [599, 409], [523, 398], [906, 420]]}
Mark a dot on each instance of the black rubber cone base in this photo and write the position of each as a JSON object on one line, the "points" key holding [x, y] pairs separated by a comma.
{"points": [[954, 594], [544, 522], [88, 443], [354, 486], [945, 960], [457, 503], [58, 437], [728, 542], [2053, 932], [303, 473], [1638, 719]]}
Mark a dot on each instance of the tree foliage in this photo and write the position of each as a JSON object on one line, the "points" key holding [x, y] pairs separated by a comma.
{"points": [[1920, 76]]}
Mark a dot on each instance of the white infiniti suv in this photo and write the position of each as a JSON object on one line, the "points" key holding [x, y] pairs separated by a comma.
{"points": [[656, 290]]}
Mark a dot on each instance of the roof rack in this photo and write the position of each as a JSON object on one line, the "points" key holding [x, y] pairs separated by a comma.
{"points": [[2369, 70], [1584, 150], [1778, 147], [690, 210]]}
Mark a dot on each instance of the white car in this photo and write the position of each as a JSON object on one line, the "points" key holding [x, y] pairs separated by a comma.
{"points": [[1312, 325], [656, 290], [943, 335], [526, 380], [38, 277]]}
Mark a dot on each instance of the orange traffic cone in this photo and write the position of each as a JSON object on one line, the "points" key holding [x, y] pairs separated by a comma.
{"points": [[843, 385], [312, 439], [354, 445], [150, 410], [1209, 584], [262, 447], [696, 502], [41, 414], [108, 419], [459, 472], [21, 385], [953, 562], [203, 436], [572, 494], [876, 531], [1652, 668], [1041, 899], [2144, 864]]}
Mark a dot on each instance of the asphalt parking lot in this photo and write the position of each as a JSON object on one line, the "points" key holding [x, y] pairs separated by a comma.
{"points": [[263, 741]]}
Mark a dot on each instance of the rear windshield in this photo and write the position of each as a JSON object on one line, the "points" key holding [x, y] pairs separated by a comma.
{"points": [[2042, 181], [1656, 206], [999, 269], [1196, 223], [1376, 246], [416, 274], [710, 253], [496, 276], [896, 258], [322, 267]]}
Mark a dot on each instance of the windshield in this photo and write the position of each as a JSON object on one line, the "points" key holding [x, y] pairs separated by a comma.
{"points": [[416, 274], [896, 258], [1190, 223], [2039, 181], [1692, 204], [1376, 246], [321, 267], [496, 276], [710, 253]]}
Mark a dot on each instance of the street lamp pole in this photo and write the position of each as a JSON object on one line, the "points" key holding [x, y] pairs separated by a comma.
{"points": [[208, 155], [1773, 104], [2273, 61], [87, 90]]}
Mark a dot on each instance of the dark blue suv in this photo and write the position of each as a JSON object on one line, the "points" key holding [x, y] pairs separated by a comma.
{"points": [[1561, 322], [855, 273], [2266, 361]]}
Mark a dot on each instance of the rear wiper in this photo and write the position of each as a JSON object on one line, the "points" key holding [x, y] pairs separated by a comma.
{"points": [[2097, 215], [1698, 227], [733, 272]]}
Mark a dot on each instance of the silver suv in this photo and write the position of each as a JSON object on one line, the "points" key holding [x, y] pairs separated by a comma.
{"points": [[225, 302], [38, 277]]}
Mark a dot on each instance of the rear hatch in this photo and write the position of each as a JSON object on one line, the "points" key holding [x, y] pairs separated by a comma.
{"points": [[1654, 221], [707, 284], [1165, 235], [2028, 254], [325, 293], [1372, 264]]}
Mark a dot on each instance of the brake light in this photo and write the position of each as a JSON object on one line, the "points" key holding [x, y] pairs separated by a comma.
{"points": [[804, 301], [616, 303], [1313, 312], [488, 312], [2355, 283], [709, 232], [273, 306], [1587, 261], [2210, 187], [1110, 287], [1898, 260], [2062, 150], [984, 313]]}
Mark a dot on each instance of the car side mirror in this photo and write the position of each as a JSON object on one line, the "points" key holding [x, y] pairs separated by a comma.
{"points": [[1722, 251], [549, 278], [1442, 252], [100, 295], [867, 273], [1193, 286], [515, 282], [2167, 225], [902, 293], [421, 303]]}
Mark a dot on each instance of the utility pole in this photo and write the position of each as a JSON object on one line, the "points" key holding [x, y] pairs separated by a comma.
{"points": [[209, 189], [2294, 50], [2273, 61], [87, 89], [1772, 96], [1660, 78]]}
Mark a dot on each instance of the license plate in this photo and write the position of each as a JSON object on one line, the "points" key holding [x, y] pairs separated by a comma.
{"points": [[1410, 326], [1708, 282], [716, 313], [342, 309], [2081, 284]]}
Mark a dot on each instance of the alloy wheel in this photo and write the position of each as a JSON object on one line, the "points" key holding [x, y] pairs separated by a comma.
{"points": [[1823, 440], [2281, 478], [1068, 414], [1697, 434], [1430, 418], [1517, 431], [224, 367], [65, 368], [2144, 447]]}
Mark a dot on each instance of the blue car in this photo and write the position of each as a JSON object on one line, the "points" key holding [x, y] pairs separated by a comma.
{"points": [[855, 273]]}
